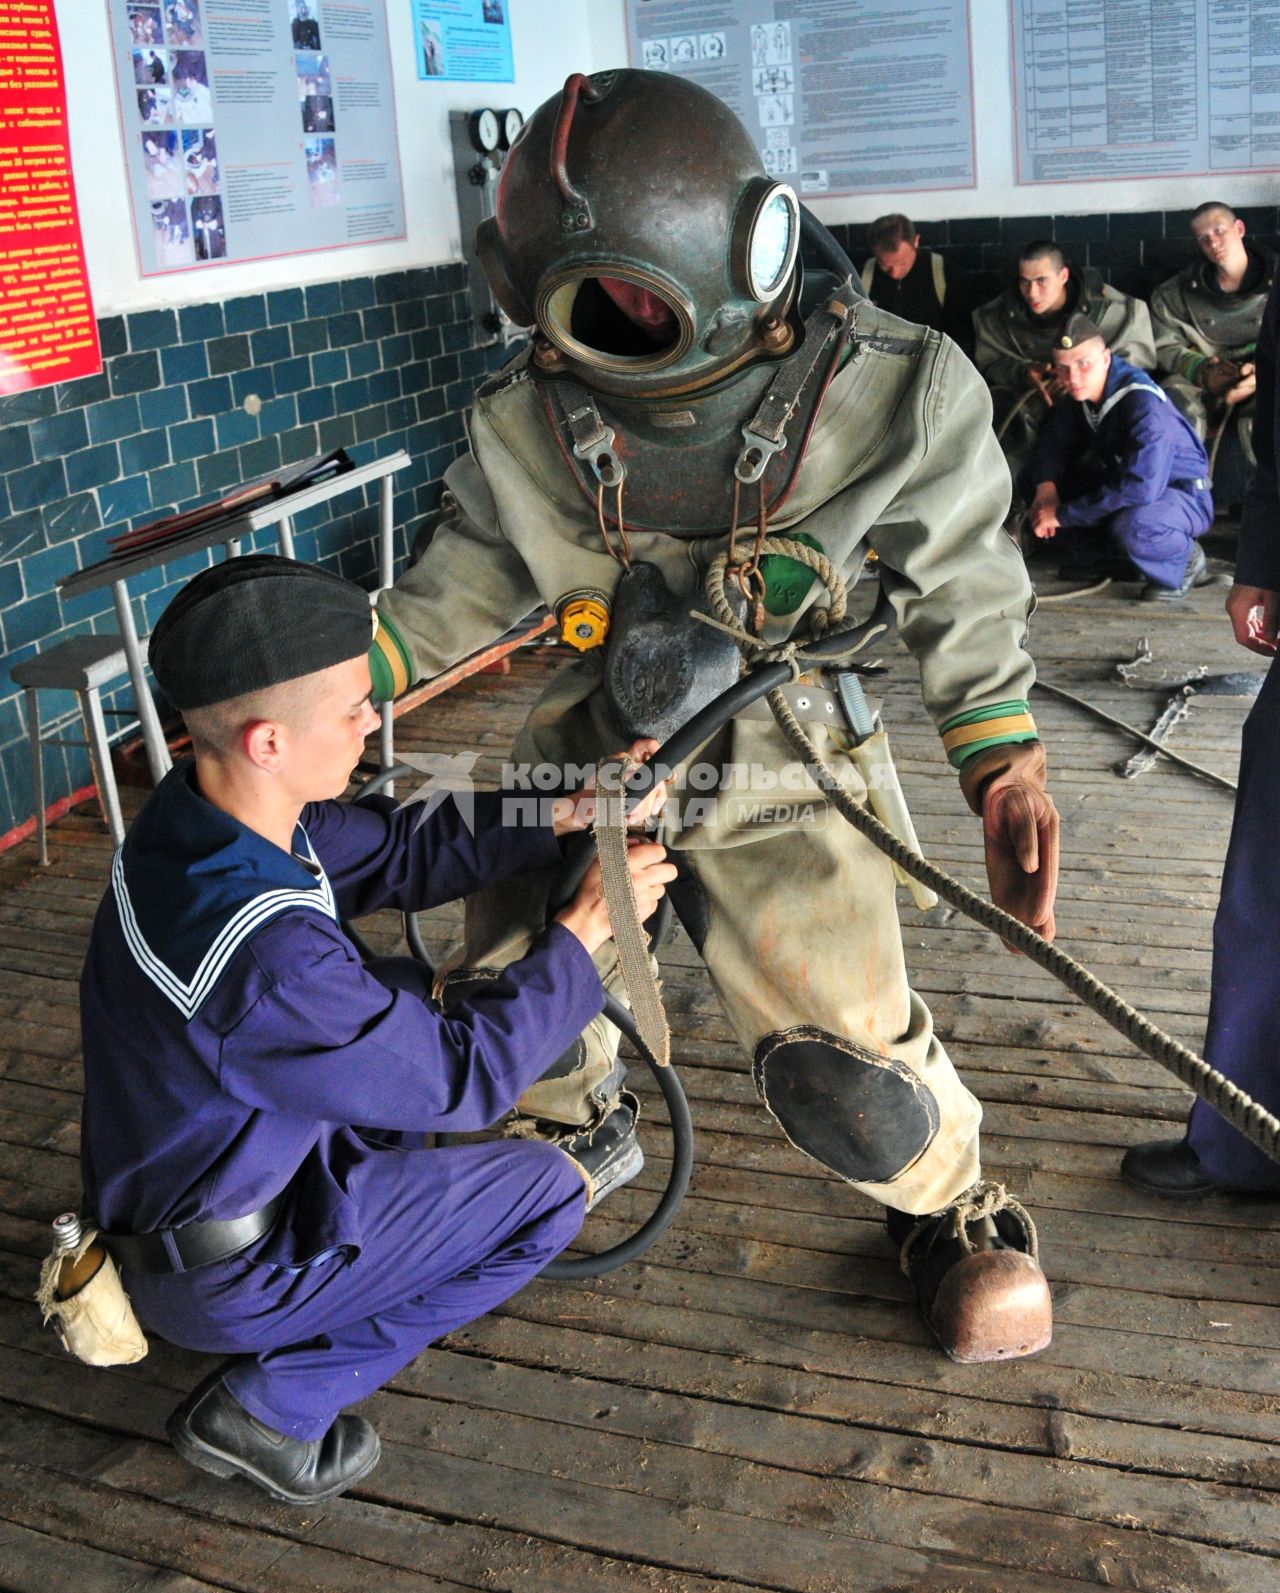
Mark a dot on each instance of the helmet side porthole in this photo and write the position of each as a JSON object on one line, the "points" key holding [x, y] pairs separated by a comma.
{"points": [[766, 239]]}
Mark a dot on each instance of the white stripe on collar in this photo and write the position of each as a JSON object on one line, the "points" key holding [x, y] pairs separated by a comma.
{"points": [[1095, 419], [244, 922]]}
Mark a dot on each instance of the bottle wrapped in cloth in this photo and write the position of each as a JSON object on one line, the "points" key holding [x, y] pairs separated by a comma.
{"points": [[81, 1294]]}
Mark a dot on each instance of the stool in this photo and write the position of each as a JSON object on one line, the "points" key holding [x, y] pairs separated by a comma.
{"points": [[83, 664]]}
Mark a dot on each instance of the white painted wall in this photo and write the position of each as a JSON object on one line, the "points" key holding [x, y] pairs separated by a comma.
{"points": [[996, 193], [545, 35], [551, 39]]}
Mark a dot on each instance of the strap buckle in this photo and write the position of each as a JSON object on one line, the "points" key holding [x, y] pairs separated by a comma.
{"points": [[593, 442]]}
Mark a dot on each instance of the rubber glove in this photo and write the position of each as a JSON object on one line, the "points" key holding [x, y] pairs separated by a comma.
{"points": [[1006, 785]]}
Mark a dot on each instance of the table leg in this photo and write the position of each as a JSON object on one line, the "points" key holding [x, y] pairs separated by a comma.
{"points": [[100, 757], [386, 574], [37, 772], [285, 534], [158, 759]]}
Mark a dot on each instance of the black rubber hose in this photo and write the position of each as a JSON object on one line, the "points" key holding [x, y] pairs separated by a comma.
{"points": [[747, 689], [821, 245], [681, 1167]]}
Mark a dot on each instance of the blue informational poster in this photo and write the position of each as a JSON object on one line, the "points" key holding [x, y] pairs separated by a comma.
{"points": [[466, 41]]}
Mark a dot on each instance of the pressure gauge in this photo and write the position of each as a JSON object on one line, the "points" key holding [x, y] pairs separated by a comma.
{"points": [[484, 130], [512, 122]]}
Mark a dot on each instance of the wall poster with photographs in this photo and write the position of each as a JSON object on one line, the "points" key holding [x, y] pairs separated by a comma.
{"points": [[465, 41], [256, 127], [839, 99]]}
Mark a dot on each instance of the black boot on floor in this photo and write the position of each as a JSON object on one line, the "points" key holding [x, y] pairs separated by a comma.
{"points": [[1168, 1168], [212, 1430], [609, 1155], [1195, 574]]}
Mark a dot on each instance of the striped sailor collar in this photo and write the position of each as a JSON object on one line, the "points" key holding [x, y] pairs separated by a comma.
{"points": [[192, 885], [1122, 379]]}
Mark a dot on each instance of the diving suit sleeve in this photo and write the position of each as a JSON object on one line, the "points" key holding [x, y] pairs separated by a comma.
{"points": [[467, 589], [958, 584], [1135, 341], [1001, 364]]}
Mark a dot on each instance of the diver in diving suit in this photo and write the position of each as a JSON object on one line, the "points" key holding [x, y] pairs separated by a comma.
{"points": [[672, 391]]}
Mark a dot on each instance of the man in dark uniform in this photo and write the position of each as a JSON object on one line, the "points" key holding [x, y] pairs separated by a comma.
{"points": [[1244, 1005], [914, 283], [1014, 335], [233, 1041], [1117, 476]]}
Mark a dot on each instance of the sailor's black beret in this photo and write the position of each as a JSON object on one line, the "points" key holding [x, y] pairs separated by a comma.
{"points": [[253, 622]]}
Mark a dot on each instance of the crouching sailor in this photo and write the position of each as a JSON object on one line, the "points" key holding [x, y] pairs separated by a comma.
{"points": [[256, 1098], [1118, 475]]}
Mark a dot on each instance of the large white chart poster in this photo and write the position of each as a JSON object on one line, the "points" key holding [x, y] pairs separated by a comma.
{"points": [[256, 127], [841, 96], [1133, 88]]}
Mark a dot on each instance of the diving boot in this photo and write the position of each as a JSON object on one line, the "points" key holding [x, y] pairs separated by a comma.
{"points": [[975, 1275]]}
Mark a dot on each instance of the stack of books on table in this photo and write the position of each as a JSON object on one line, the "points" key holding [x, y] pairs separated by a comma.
{"points": [[232, 507]]}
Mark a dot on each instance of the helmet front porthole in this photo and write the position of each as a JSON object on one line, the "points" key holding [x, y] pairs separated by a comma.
{"points": [[615, 320]]}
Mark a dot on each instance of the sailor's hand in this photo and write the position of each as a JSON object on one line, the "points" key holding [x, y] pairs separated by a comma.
{"points": [[578, 812], [1019, 831], [1216, 375], [1254, 612], [587, 916], [1045, 381], [1246, 387], [1044, 519]]}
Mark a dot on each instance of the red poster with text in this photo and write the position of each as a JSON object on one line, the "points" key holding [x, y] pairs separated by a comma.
{"points": [[47, 328]]}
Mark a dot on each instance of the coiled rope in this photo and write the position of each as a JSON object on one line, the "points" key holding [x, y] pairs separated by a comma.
{"points": [[1258, 1125]]}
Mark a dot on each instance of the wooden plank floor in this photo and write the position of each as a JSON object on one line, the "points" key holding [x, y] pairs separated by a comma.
{"points": [[756, 1404]]}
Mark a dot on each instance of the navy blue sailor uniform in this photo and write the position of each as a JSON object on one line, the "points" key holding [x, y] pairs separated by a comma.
{"points": [[1244, 1006], [235, 1049], [1130, 472]]}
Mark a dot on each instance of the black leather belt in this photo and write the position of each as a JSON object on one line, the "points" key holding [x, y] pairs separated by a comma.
{"points": [[195, 1244]]}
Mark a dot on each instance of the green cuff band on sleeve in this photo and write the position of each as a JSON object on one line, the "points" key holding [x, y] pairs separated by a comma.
{"points": [[991, 710], [390, 665], [1189, 364], [961, 755]]}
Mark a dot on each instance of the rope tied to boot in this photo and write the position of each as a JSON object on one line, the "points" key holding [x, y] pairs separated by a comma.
{"points": [[986, 1198], [1259, 1126]]}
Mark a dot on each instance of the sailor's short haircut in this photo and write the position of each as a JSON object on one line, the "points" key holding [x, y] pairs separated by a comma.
{"points": [[1208, 207], [1043, 249]]}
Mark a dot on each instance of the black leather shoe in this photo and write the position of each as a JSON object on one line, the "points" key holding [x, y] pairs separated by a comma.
{"points": [[610, 1154], [1195, 574], [1168, 1168], [212, 1430]]}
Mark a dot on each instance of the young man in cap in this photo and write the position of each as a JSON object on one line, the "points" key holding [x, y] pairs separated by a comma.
{"points": [[256, 1098], [1117, 476]]}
